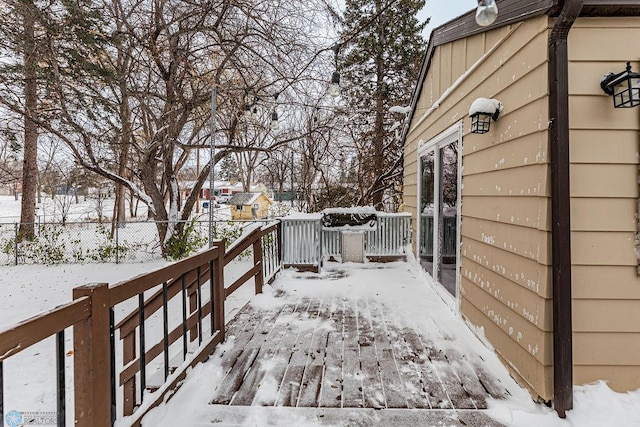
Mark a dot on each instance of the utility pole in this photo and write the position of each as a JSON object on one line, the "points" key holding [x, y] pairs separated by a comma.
{"points": [[212, 153]]}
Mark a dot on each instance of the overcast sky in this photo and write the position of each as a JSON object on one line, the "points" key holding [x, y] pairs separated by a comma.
{"points": [[442, 11]]}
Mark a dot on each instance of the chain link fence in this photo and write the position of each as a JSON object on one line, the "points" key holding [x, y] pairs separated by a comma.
{"points": [[94, 242]]}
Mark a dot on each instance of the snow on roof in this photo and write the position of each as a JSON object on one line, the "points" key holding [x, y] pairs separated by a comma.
{"points": [[216, 184], [244, 198]]}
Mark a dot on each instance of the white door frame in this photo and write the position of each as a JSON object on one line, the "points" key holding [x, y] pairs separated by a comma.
{"points": [[449, 136]]}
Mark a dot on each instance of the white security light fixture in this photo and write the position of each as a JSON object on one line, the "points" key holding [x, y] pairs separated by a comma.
{"points": [[482, 111], [624, 87], [486, 13]]}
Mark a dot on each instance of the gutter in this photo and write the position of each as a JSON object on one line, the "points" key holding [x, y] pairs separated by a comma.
{"points": [[561, 206]]}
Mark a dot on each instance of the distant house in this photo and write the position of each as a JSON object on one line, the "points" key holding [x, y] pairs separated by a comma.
{"points": [[249, 206], [228, 188], [531, 224]]}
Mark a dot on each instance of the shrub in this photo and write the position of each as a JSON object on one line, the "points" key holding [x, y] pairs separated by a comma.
{"points": [[184, 243]]}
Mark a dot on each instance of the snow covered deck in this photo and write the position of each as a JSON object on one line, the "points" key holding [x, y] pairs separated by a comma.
{"points": [[344, 352], [359, 343]]}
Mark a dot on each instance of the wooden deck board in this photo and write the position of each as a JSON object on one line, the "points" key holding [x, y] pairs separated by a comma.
{"points": [[395, 393], [268, 348], [292, 381], [340, 352], [331, 392], [421, 391]]}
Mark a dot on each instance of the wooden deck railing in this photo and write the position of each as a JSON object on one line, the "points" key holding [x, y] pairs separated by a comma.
{"points": [[185, 301], [23, 335]]}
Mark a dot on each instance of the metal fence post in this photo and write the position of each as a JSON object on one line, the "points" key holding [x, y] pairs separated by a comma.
{"points": [[117, 245], [15, 244]]}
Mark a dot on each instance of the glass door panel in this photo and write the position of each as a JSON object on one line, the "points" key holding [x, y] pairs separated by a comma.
{"points": [[448, 216], [427, 201]]}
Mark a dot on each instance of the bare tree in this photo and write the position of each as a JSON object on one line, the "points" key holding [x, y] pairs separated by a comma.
{"points": [[138, 120]]}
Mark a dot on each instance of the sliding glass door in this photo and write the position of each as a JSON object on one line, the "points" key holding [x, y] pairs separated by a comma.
{"points": [[439, 209]]}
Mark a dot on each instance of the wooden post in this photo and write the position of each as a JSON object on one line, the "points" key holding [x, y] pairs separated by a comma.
{"points": [[257, 260], [218, 290], [92, 352]]}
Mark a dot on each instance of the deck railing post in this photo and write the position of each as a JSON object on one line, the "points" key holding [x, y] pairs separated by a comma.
{"points": [[218, 290], [257, 260], [92, 366]]}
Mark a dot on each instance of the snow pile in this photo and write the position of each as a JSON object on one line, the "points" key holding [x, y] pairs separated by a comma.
{"points": [[595, 405], [400, 110], [353, 210]]}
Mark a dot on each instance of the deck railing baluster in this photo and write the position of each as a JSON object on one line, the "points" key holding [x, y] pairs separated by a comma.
{"points": [[211, 292], [184, 316], [1, 388], [165, 329], [143, 356], [199, 299], [60, 379], [112, 362]]}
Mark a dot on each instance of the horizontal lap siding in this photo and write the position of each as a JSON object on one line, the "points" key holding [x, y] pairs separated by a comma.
{"points": [[505, 205], [604, 172], [505, 286], [535, 375]]}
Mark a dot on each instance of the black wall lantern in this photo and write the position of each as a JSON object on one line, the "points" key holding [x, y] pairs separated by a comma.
{"points": [[482, 111], [624, 87]]}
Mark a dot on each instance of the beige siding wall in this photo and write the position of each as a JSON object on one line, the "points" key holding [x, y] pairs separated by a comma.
{"points": [[505, 207], [604, 172]]}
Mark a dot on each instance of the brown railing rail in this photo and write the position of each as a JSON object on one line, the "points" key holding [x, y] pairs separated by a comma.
{"points": [[23, 335], [186, 298]]}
